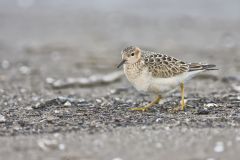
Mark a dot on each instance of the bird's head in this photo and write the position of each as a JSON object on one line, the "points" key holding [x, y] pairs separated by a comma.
{"points": [[130, 55]]}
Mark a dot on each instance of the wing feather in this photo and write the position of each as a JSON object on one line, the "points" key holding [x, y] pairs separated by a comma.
{"points": [[163, 66]]}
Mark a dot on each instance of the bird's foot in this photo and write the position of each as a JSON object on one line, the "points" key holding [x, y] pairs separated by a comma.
{"points": [[176, 109], [143, 109]]}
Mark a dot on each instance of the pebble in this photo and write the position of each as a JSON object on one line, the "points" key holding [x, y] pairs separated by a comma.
{"points": [[56, 111], [203, 111], [37, 105], [35, 98], [46, 144], [2, 118], [113, 91], [98, 100], [61, 147], [158, 145], [57, 135], [67, 104], [158, 119], [24, 70], [211, 105], [28, 108], [2, 91], [117, 99], [237, 138], [210, 159], [143, 128], [236, 87], [49, 80], [22, 90], [219, 147], [5, 64], [117, 158], [50, 118]]}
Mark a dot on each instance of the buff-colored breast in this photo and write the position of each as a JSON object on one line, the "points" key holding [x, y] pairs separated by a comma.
{"points": [[138, 75]]}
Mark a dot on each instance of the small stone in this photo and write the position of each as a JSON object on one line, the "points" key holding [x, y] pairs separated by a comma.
{"points": [[117, 158], [28, 108], [49, 80], [236, 87], [167, 128], [57, 83], [158, 145], [2, 118], [62, 99], [158, 119], [203, 111], [67, 104], [24, 70], [22, 90], [98, 100], [219, 147], [2, 91], [187, 120], [56, 135], [35, 98], [81, 100], [113, 91], [237, 138], [5, 64], [50, 118], [210, 159], [37, 105], [46, 144], [143, 128], [209, 105], [56, 111], [61, 147], [16, 127], [117, 99]]}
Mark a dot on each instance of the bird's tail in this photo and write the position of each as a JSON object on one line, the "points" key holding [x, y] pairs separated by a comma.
{"points": [[203, 67]]}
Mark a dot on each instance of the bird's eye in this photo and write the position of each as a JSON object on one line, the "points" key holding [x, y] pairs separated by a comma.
{"points": [[132, 54]]}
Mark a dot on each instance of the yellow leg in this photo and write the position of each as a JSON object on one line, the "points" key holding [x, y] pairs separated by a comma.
{"points": [[182, 95], [182, 107], [155, 101]]}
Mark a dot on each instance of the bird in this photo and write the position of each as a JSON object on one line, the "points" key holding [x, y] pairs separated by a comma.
{"points": [[158, 74]]}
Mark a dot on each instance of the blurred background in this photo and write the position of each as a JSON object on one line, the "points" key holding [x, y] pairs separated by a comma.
{"points": [[72, 37]]}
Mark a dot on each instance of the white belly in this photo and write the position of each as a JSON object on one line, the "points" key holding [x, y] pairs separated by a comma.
{"points": [[161, 86], [142, 81]]}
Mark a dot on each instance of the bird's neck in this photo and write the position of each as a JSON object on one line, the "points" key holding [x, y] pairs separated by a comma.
{"points": [[132, 71]]}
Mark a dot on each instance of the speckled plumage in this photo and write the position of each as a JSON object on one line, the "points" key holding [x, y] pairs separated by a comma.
{"points": [[163, 66]]}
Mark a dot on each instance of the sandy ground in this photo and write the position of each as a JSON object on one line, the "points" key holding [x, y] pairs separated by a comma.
{"points": [[45, 41]]}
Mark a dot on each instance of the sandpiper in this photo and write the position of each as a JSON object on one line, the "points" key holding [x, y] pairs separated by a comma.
{"points": [[158, 73]]}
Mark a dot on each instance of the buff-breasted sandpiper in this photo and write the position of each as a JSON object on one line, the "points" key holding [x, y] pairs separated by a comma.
{"points": [[158, 73]]}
